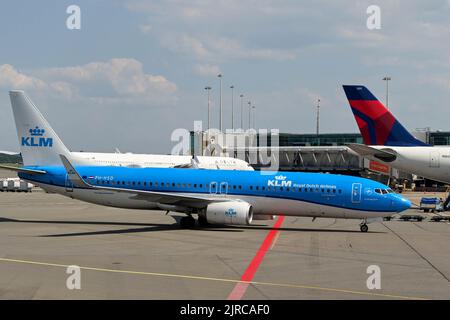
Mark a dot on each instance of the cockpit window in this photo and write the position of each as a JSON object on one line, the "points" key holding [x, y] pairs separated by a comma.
{"points": [[378, 191], [390, 191], [384, 191]]}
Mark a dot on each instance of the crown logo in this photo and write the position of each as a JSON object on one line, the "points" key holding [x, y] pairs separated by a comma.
{"points": [[36, 131]]}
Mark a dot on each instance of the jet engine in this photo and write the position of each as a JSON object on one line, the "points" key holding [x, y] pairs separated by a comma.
{"points": [[229, 212]]}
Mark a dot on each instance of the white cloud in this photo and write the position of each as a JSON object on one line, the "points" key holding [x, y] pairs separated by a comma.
{"points": [[116, 80], [146, 28], [207, 70], [216, 49], [12, 78]]}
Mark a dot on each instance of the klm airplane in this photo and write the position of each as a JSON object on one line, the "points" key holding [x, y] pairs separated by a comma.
{"points": [[215, 196]]}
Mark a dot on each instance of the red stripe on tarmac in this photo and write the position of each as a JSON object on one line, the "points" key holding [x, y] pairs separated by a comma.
{"points": [[241, 287]]}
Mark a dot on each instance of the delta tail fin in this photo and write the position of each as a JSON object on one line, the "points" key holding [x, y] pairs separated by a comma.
{"points": [[377, 124], [39, 144]]}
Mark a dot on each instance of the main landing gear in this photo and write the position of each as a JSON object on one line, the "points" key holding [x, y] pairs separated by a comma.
{"points": [[187, 222]]}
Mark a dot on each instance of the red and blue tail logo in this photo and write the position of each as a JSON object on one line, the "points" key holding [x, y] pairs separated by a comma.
{"points": [[377, 124]]}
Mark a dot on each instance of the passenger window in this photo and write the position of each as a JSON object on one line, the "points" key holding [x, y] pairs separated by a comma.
{"points": [[281, 188], [162, 184], [262, 188], [257, 188], [251, 187]]}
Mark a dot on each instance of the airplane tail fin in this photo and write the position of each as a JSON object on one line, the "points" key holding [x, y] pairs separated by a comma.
{"points": [[39, 144], [377, 124]]}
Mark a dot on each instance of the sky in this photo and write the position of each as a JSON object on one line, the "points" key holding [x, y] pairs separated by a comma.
{"points": [[136, 70]]}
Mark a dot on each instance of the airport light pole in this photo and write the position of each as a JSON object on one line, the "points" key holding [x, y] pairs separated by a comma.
{"points": [[318, 117], [254, 116], [387, 79], [232, 107], [208, 89], [220, 101], [249, 110], [242, 111]]}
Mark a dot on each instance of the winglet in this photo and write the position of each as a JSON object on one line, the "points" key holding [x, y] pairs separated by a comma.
{"points": [[73, 175]]}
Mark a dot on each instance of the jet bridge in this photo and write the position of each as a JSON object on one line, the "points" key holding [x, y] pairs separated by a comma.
{"points": [[301, 158]]}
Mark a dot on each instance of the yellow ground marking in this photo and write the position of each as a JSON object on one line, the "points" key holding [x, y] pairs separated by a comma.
{"points": [[192, 277]]}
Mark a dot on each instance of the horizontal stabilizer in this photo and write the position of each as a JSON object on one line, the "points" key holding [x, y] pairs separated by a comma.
{"points": [[386, 155], [24, 170]]}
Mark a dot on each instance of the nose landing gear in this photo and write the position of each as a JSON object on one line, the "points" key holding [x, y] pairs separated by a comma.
{"points": [[363, 227]]}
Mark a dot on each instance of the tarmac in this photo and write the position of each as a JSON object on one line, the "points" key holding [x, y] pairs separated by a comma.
{"points": [[133, 254]]}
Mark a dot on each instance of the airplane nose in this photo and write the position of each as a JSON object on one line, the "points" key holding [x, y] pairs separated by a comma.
{"points": [[401, 204]]}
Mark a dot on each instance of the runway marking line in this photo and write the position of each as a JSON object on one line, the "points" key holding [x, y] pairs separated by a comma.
{"points": [[191, 277], [241, 287]]}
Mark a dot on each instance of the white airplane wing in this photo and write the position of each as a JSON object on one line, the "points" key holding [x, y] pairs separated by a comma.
{"points": [[153, 196]]}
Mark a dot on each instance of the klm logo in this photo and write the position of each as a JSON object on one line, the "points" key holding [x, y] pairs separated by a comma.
{"points": [[230, 213], [36, 139], [279, 181]]}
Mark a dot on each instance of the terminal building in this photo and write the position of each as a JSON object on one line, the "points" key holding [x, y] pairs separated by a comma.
{"points": [[325, 152]]}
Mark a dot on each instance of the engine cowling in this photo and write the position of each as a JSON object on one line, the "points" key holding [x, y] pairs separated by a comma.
{"points": [[229, 212]]}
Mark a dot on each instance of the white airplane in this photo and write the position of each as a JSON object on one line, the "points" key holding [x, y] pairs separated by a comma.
{"points": [[24, 109], [386, 140]]}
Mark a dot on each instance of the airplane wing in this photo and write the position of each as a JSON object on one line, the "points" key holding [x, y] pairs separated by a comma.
{"points": [[386, 155], [24, 170], [191, 165], [152, 196]]}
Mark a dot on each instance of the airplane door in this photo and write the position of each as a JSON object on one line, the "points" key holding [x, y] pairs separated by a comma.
{"points": [[223, 188], [434, 159], [68, 184], [213, 187], [356, 192]]}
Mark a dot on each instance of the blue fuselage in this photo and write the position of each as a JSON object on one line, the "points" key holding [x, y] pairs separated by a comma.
{"points": [[284, 189]]}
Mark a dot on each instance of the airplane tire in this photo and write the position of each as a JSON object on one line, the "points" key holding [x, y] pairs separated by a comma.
{"points": [[202, 222], [187, 222], [364, 228]]}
